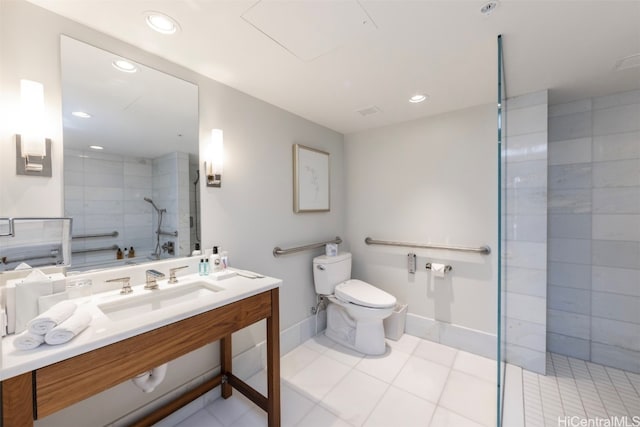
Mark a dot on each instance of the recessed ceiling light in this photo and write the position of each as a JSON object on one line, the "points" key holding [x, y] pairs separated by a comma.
{"points": [[418, 97], [124, 66], [489, 7], [161, 23], [96, 147], [81, 114]]}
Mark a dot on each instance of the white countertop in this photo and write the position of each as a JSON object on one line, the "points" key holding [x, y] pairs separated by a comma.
{"points": [[103, 331]]}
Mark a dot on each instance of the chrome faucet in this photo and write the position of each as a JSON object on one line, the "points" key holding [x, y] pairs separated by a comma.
{"points": [[172, 274], [152, 276], [126, 286]]}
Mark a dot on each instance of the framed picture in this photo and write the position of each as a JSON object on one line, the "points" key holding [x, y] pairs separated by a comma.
{"points": [[310, 179]]}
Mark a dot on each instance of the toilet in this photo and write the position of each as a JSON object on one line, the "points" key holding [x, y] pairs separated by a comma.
{"points": [[356, 309]]}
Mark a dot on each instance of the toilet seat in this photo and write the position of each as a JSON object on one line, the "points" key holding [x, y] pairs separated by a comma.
{"points": [[363, 294]]}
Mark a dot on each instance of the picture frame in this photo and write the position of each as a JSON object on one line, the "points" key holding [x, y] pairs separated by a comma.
{"points": [[311, 190]]}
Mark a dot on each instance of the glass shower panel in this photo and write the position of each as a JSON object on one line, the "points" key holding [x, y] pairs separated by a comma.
{"points": [[500, 359]]}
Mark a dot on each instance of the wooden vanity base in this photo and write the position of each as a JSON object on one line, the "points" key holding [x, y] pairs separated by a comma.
{"points": [[39, 393]]}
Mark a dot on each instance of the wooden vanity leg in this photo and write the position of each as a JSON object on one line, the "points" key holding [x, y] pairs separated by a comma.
{"points": [[17, 401], [225, 364], [273, 361]]}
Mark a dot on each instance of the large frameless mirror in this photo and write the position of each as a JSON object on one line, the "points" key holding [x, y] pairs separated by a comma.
{"points": [[130, 159]]}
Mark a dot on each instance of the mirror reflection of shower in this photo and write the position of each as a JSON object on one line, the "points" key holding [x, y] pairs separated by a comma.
{"points": [[160, 213]]}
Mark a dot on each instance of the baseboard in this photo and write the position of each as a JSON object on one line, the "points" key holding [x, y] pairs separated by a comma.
{"points": [[460, 337]]}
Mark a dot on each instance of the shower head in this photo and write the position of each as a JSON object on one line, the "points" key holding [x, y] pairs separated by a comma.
{"points": [[148, 200]]}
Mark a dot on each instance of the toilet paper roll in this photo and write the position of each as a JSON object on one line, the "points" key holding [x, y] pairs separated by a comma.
{"points": [[438, 270]]}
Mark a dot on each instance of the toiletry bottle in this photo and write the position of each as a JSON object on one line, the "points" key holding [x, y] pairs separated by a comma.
{"points": [[125, 254], [207, 267], [201, 267], [196, 250], [215, 260], [224, 260], [132, 253], [119, 254]]}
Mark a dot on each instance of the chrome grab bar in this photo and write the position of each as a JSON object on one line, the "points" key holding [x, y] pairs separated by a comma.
{"points": [[485, 250], [277, 251], [11, 221], [91, 236], [106, 248]]}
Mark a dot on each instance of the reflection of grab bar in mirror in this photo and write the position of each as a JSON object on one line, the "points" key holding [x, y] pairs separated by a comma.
{"points": [[91, 236], [53, 254], [168, 233], [106, 248]]}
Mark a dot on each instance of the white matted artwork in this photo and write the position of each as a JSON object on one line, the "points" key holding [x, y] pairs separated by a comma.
{"points": [[310, 179]]}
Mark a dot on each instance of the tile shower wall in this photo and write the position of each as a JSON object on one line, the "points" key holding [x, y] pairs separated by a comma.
{"points": [[104, 193], [594, 230], [171, 192], [524, 215]]}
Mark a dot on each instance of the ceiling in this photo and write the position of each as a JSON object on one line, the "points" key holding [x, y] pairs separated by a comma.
{"points": [[326, 60], [130, 114]]}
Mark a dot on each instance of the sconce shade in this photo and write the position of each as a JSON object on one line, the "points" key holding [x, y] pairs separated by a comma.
{"points": [[32, 135], [214, 159]]}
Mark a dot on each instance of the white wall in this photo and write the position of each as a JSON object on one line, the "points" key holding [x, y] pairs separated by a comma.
{"points": [[432, 180], [248, 216]]}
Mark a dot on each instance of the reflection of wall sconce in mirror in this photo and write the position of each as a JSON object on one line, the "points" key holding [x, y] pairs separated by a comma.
{"points": [[214, 159], [33, 150]]}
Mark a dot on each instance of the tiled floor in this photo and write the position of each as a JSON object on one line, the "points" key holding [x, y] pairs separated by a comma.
{"points": [[579, 389], [417, 383]]}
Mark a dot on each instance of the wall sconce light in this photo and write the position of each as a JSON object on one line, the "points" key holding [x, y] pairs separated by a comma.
{"points": [[214, 159], [33, 150]]}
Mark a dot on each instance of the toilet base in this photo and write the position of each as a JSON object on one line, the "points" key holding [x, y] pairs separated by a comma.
{"points": [[364, 336]]}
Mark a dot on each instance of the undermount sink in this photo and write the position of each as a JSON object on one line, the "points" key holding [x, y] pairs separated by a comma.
{"points": [[136, 305]]}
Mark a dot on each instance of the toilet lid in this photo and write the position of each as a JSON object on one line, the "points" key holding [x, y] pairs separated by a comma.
{"points": [[362, 293]]}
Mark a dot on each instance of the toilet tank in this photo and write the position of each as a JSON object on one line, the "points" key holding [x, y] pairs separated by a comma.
{"points": [[328, 271]]}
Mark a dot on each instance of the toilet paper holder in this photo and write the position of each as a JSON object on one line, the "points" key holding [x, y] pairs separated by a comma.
{"points": [[447, 268]]}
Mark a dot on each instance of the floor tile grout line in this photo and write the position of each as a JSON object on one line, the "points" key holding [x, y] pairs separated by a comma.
{"points": [[637, 389], [613, 385], [377, 403], [614, 389], [582, 395], [578, 396]]}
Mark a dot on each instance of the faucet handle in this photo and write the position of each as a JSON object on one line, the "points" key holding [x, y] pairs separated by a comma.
{"points": [[126, 286], [172, 274]]}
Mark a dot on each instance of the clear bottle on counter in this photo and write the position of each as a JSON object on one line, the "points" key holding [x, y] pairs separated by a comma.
{"points": [[224, 260]]}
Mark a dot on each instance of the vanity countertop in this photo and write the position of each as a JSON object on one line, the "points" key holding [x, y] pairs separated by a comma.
{"points": [[103, 331]]}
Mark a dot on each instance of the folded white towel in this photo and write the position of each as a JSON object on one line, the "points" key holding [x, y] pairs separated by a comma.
{"points": [[27, 341], [68, 329], [52, 317]]}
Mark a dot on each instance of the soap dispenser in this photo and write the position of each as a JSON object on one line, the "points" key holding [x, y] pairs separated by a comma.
{"points": [[215, 260]]}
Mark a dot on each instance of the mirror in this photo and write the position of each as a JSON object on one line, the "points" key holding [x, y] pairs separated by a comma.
{"points": [[130, 159]]}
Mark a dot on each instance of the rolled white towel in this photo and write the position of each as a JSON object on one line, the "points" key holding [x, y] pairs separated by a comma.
{"points": [[51, 318], [27, 341], [68, 329]]}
